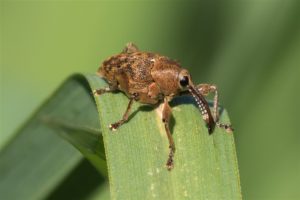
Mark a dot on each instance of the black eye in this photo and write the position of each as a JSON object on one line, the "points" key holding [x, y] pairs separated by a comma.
{"points": [[184, 81]]}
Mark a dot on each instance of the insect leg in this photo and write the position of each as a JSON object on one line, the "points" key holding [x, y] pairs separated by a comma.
{"points": [[100, 91], [130, 48], [166, 114], [124, 119], [205, 89]]}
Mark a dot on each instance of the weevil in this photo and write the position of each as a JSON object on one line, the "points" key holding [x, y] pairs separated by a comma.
{"points": [[151, 78]]}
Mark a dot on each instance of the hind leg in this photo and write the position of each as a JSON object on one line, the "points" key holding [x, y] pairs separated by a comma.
{"points": [[98, 92], [113, 86], [130, 48]]}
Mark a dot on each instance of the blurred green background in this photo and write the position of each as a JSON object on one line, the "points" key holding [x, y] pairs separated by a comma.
{"points": [[250, 49]]}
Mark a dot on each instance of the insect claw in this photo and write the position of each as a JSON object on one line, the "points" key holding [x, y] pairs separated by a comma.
{"points": [[95, 92], [228, 128], [113, 127], [170, 164]]}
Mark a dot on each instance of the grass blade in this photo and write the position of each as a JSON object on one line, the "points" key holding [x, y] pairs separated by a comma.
{"points": [[205, 165], [36, 160], [135, 155]]}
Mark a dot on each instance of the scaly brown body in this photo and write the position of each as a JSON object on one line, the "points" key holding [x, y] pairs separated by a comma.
{"points": [[151, 79], [140, 73]]}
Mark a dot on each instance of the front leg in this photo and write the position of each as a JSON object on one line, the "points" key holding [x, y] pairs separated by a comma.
{"points": [[166, 114], [205, 89]]}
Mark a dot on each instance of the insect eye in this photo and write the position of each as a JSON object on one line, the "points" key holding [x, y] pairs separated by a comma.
{"points": [[184, 81]]}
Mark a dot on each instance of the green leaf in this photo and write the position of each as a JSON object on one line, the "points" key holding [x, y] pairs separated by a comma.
{"points": [[205, 165], [37, 160], [135, 155]]}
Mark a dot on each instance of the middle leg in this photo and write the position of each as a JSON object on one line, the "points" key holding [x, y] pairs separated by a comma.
{"points": [[166, 115], [124, 119]]}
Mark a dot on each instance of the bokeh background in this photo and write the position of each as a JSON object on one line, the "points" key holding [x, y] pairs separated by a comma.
{"points": [[249, 48]]}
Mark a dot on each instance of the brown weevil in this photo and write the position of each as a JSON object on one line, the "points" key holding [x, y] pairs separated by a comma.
{"points": [[150, 78]]}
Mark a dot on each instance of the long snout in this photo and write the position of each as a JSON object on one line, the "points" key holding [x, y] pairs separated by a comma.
{"points": [[203, 107]]}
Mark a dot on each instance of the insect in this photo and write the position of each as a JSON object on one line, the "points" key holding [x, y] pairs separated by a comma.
{"points": [[150, 78]]}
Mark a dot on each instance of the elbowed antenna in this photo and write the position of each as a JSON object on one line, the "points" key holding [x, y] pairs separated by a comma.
{"points": [[203, 106]]}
